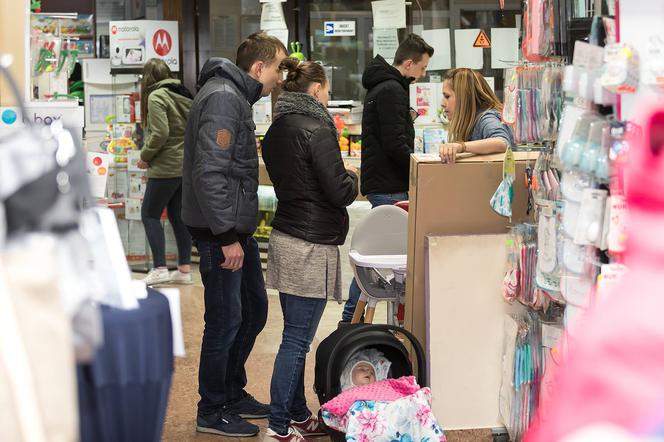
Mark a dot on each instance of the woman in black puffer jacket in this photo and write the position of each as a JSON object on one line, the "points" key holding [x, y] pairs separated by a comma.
{"points": [[301, 152], [313, 188]]}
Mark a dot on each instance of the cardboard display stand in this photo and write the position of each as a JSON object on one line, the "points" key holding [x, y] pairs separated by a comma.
{"points": [[467, 262], [465, 317], [454, 200]]}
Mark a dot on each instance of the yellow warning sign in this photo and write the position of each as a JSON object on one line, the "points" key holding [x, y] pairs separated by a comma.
{"points": [[482, 40]]}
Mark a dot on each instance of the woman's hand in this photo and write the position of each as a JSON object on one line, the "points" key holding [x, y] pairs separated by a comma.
{"points": [[142, 164], [349, 167], [449, 151]]}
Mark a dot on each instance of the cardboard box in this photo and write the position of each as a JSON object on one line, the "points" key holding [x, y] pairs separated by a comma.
{"points": [[434, 138], [123, 228], [117, 186], [133, 209], [138, 250], [453, 199], [98, 171], [123, 108], [137, 184], [132, 161], [419, 140]]}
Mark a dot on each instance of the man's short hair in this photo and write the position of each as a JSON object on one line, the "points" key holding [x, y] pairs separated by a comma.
{"points": [[258, 47], [412, 48]]}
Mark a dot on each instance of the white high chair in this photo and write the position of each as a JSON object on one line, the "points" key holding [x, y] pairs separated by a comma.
{"points": [[378, 255]]}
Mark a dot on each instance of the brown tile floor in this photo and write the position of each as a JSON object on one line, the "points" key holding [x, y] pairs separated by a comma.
{"points": [[181, 415]]}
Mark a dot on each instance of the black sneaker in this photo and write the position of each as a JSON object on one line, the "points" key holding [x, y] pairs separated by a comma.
{"points": [[248, 407], [225, 424]]}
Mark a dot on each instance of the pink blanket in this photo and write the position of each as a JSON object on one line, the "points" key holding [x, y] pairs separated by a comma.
{"points": [[387, 390]]}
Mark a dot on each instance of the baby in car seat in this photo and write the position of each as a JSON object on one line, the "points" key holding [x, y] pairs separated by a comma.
{"points": [[363, 373], [374, 407], [365, 367]]}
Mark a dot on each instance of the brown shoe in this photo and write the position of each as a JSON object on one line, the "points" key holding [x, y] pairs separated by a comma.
{"points": [[292, 436], [311, 427]]}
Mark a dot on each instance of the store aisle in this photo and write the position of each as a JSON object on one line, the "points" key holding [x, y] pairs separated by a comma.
{"points": [[181, 416]]}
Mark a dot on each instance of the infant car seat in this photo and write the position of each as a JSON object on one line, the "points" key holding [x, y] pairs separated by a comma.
{"points": [[336, 350]]}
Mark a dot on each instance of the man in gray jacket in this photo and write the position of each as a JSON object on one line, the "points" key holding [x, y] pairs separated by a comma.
{"points": [[220, 208]]}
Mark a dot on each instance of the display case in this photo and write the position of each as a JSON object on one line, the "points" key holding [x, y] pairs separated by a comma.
{"points": [[57, 43], [113, 128]]}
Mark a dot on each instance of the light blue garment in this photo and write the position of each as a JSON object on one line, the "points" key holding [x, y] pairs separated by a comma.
{"points": [[490, 125], [501, 201]]}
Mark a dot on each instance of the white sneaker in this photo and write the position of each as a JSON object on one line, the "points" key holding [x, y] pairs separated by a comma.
{"points": [[178, 277], [292, 436], [157, 276]]}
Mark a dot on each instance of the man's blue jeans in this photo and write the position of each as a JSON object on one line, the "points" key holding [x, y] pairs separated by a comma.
{"points": [[354, 292], [301, 318], [235, 313]]}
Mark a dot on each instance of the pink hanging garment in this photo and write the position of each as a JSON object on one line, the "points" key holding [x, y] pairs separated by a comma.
{"points": [[538, 25], [614, 372]]}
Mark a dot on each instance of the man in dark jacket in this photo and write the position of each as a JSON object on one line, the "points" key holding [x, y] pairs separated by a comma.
{"points": [[388, 134], [220, 208]]}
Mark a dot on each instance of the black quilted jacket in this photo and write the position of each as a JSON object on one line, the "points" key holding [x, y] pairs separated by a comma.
{"points": [[303, 160]]}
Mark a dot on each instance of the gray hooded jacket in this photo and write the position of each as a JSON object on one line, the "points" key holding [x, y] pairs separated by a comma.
{"points": [[220, 168]]}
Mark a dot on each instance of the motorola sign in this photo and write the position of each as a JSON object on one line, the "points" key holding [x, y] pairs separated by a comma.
{"points": [[162, 42], [133, 43]]}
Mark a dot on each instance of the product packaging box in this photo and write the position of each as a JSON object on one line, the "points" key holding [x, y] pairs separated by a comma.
{"points": [[137, 183]]}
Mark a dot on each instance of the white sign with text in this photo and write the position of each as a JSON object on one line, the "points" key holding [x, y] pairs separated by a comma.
{"points": [[134, 42]]}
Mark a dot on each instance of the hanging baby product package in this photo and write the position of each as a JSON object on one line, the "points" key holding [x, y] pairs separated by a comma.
{"points": [[533, 101], [571, 258], [538, 29]]}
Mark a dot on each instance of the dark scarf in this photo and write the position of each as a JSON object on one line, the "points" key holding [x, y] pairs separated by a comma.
{"points": [[303, 104]]}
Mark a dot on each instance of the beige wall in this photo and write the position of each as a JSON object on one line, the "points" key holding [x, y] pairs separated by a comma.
{"points": [[12, 41]]}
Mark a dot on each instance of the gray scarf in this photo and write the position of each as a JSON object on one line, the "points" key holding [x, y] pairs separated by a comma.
{"points": [[303, 104]]}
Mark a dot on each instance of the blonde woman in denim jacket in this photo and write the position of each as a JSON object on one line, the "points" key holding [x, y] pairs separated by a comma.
{"points": [[474, 113]]}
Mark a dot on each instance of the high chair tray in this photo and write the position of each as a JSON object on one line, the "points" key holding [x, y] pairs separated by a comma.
{"points": [[378, 261]]}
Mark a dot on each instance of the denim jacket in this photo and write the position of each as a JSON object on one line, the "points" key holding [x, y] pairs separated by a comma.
{"points": [[490, 125]]}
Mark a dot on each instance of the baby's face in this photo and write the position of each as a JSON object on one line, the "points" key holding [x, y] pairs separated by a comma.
{"points": [[363, 374]]}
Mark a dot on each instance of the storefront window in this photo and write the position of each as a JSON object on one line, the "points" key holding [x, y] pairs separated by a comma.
{"points": [[230, 22], [487, 17], [345, 57]]}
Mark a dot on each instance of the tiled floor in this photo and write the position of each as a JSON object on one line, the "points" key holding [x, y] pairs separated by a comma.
{"points": [[181, 416]]}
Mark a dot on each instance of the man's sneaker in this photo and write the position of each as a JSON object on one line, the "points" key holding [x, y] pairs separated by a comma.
{"points": [[292, 436], [178, 277], [248, 407], [157, 276], [311, 427], [225, 424]]}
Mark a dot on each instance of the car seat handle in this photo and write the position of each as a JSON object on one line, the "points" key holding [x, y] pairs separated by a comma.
{"points": [[422, 376]]}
